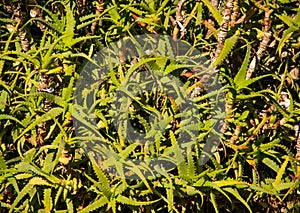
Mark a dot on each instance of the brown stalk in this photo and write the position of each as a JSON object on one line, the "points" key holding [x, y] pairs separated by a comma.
{"points": [[81, 6], [263, 44], [41, 134], [178, 10], [236, 12], [35, 12], [44, 86], [221, 40], [246, 16], [179, 18], [236, 134], [99, 9], [223, 28], [215, 4], [19, 18]]}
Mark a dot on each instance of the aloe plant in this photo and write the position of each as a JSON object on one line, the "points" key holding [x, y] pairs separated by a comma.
{"points": [[252, 165]]}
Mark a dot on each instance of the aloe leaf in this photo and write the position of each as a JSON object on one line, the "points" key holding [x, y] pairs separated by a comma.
{"points": [[213, 201], [129, 201], [58, 26], [27, 188], [285, 37], [236, 194], [216, 14], [9, 117], [241, 75], [48, 200], [271, 164], [228, 45], [281, 171], [54, 112], [95, 205], [246, 83]]}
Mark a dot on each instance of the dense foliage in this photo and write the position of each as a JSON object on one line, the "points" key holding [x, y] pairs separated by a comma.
{"points": [[254, 47]]}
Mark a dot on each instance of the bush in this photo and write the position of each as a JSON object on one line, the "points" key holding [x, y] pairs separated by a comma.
{"points": [[46, 162]]}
